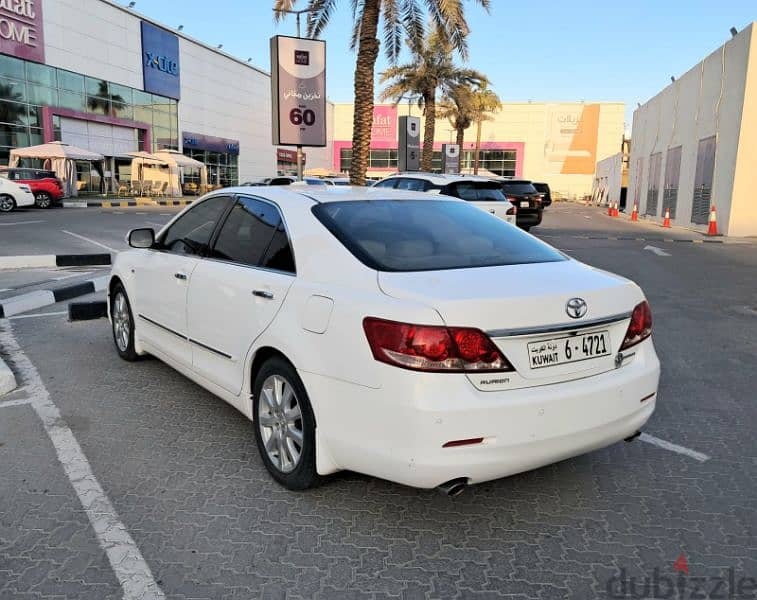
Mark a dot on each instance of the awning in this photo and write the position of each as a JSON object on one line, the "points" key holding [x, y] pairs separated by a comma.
{"points": [[146, 158], [55, 150], [179, 159]]}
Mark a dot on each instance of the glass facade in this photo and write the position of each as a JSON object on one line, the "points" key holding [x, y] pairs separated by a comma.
{"points": [[25, 87], [223, 169], [499, 162]]}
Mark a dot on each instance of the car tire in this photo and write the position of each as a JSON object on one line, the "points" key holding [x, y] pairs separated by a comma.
{"points": [[284, 425], [43, 200], [7, 203], [122, 324]]}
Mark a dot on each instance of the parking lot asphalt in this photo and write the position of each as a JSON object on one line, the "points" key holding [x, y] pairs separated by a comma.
{"points": [[177, 471]]}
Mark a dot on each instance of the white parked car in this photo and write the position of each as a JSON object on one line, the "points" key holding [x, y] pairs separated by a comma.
{"points": [[407, 336], [483, 192], [14, 195]]}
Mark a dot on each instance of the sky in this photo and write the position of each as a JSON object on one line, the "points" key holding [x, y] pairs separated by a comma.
{"points": [[540, 50]]}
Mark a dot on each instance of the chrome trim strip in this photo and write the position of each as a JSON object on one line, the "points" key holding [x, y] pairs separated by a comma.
{"points": [[210, 349], [176, 333], [520, 331], [183, 337]]}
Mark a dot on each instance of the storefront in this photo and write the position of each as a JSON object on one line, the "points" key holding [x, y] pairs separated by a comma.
{"points": [[114, 82]]}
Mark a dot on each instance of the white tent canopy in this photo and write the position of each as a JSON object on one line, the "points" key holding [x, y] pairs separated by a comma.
{"points": [[148, 167], [58, 157], [177, 162]]}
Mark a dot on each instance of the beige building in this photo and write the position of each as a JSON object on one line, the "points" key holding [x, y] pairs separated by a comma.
{"points": [[611, 179], [695, 143], [558, 143]]}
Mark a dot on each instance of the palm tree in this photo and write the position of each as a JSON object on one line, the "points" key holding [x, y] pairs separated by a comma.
{"points": [[431, 69], [10, 112], [457, 108], [400, 18], [485, 102], [103, 101]]}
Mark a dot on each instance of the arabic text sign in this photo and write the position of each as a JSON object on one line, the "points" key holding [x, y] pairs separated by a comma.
{"points": [[298, 91]]}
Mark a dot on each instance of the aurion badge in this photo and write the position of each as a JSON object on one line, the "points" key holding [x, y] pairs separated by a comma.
{"points": [[576, 308]]}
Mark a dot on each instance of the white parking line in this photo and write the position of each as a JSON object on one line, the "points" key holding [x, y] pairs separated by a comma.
{"points": [[130, 568], [656, 250], [19, 223], [650, 439], [20, 402], [86, 239]]}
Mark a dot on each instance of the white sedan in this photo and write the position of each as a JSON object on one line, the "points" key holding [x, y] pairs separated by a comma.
{"points": [[14, 195], [403, 335]]}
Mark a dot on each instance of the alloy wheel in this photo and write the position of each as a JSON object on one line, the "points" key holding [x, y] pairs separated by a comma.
{"points": [[280, 423], [121, 322], [43, 200], [6, 204]]}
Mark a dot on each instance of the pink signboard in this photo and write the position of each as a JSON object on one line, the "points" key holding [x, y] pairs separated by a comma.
{"points": [[21, 29], [384, 128]]}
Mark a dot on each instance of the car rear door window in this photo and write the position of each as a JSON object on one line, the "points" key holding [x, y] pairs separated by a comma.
{"points": [[191, 233], [254, 235], [386, 183], [416, 185]]}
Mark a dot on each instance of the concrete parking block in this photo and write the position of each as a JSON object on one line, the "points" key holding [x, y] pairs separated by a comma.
{"points": [[7, 379], [36, 261], [40, 298]]}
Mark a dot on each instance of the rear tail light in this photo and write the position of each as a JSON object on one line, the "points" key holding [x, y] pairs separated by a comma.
{"points": [[433, 348], [512, 211], [640, 327]]}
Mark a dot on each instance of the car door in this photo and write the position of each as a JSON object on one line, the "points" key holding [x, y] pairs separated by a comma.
{"points": [[235, 294], [163, 276]]}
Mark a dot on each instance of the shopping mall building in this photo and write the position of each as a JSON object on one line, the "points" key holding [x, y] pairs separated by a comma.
{"points": [[96, 74]]}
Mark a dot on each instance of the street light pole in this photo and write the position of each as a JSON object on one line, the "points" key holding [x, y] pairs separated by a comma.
{"points": [[297, 14]]}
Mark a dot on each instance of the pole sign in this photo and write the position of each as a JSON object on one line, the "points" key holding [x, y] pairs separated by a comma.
{"points": [[409, 155], [298, 91], [450, 158]]}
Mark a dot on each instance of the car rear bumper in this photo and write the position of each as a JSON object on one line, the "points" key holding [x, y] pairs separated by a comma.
{"points": [[529, 217], [397, 432]]}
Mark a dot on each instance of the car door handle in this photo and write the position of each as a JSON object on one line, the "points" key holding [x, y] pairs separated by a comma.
{"points": [[262, 294], [182, 276]]}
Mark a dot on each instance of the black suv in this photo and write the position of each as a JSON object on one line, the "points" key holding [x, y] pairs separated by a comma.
{"points": [[522, 194], [546, 194]]}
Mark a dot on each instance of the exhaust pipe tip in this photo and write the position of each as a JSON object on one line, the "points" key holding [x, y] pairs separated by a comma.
{"points": [[631, 438], [453, 487]]}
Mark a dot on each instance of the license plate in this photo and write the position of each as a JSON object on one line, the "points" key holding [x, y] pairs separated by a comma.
{"points": [[568, 349], [524, 204]]}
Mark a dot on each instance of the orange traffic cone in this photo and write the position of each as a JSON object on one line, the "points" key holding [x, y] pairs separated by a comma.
{"points": [[615, 212], [666, 220], [635, 212], [713, 227], [609, 209]]}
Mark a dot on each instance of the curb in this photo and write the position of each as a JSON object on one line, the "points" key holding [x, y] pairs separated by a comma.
{"points": [[7, 379], [86, 311], [39, 298], [124, 203], [54, 260]]}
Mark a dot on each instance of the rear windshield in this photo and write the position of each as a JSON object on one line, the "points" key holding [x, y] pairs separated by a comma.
{"points": [[477, 191], [428, 235], [518, 188], [542, 187]]}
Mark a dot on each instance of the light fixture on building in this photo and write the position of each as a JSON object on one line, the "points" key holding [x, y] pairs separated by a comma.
{"points": [[180, 27], [249, 59], [734, 31], [220, 46], [131, 4], [672, 79], [638, 105]]}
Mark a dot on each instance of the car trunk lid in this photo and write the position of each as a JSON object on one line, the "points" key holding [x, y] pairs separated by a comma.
{"points": [[522, 308]]}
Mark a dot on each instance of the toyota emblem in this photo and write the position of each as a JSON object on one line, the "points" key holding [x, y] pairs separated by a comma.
{"points": [[576, 308]]}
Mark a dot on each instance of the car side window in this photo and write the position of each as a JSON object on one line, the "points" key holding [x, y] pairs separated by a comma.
{"points": [[191, 233], [386, 183], [416, 185], [254, 235], [280, 181], [466, 191]]}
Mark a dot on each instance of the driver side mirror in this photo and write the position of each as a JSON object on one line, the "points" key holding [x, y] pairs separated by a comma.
{"points": [[141, 238]]}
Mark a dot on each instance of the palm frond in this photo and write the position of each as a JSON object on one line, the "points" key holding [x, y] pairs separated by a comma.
{"points": [[392, 29], [282, 5], [320, 16]]}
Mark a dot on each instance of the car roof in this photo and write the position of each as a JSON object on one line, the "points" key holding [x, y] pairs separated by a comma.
{"points": [[512, 180], [440, 178], [325, 194]]}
